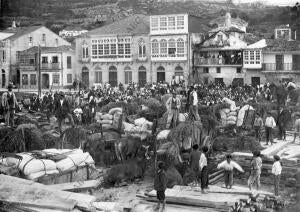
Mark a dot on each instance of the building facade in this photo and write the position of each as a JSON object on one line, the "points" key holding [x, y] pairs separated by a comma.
{"points": [[20, 39]]}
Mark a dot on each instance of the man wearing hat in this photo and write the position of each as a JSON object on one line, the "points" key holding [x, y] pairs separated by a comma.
{"points": [[270, 124], [62, 110], [9, 103], [173, 106], [193, 103]]}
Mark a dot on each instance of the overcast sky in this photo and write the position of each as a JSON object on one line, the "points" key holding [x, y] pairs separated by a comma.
{"points": [[273, 2]]}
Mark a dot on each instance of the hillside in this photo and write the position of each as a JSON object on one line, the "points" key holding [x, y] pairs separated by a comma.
{"points": [[57, 14]]}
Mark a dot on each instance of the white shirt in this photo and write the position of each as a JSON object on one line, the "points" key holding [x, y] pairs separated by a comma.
{"points": [[270, 122], [195, 98], [61, 102], [202, 161], [276, 168]]}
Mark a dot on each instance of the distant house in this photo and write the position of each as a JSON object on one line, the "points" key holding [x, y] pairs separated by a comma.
{"points": [[70, 32], [16, 39], [223, 21]]}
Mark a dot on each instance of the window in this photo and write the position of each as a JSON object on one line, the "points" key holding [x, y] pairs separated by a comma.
{"points": [[55, 78], [172, 48], [54, 59], [128, 77], [32, 79], [251, 57], [30, 40], [163, 23], [106, 49], [56, 41], [98, 76], [69, 62], [142, 48], [180, 22], [155, 48], [4, 56], [127, 50], [218, 70], [69, 78], [220, 37], [94, 50], [205, 70], [44, 59], [85, 51], [154, 23], [180, 47], [113, 49], [43, 37], [25, 79], [238, 70], [257, 57], [246, 57], [171, 23], [163, 48], [121, 49], [31, 61]]}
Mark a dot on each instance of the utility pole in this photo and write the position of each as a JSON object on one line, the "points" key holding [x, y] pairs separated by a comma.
{"points": [[39, 71]]}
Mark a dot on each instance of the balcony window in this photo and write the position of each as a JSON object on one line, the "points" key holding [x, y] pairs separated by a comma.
{"points": [[206, 70], [171, 23], [32, 79], [55, 78], [94, 50], [85, 52], [163, 23], [252, 57], [44, 59], [113, 49], [155, 48], [154, 23], [163, 48], [180, 47], [257, 57], [69, 78], [98, 76], [127, 50], [31, 61], [172, 48], [69, 62], [54, 59], [142, 48], [218, 70], [180, 22], [25, 79]]}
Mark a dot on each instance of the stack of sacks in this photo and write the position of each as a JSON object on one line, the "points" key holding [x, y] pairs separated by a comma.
{"points": [[31, 167], [110, 119], [229, 115], [241, 114], [141, 128]]}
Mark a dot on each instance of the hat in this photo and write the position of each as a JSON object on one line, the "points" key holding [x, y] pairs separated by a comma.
{"points": [[276, 157], [257, 114], [10, 86], [228, 156]]}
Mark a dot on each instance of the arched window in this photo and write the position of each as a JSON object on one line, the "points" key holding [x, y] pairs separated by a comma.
{"points": [[178, 68], [85, 50], [179, 74], [142, 68], [98, 74], [180, 47], [142, 48], [160, 69], [155, 48], [85, 69], [112, 68], [171, 48], [128, 75], [163, 48]]}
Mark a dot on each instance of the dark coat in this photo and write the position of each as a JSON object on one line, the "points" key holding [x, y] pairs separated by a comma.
{"points": [[160, 181], [61, 111]]}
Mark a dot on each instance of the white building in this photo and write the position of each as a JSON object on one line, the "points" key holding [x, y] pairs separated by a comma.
{"points": [[70, 32]]}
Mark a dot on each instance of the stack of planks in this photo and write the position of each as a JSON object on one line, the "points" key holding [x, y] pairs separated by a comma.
{"points": [[218, 199], [216, 177], [290, 166], [31, 196]]}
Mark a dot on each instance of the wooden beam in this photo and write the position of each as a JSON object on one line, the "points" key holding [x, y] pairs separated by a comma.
{"points": [[80, 185]]}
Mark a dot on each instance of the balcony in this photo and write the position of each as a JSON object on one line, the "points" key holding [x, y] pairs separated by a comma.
{"points": [[50, 66], [235, 61], [281, 67], [168, 57]]}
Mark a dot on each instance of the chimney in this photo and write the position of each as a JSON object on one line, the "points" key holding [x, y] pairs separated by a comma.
{"points": [[13, 25], [228, 20]]}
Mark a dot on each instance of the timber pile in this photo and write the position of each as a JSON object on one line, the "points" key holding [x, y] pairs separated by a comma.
{"points": [[216, 199], [290, 166]]}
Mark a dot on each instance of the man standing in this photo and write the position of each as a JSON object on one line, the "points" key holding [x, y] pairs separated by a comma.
{"points": [[160, 185], [270, 124], [276, 171], [297, 127], [173, 105], [204, 169], [282, 121], [258, 125], [9, 103], [62, 111], [193, 102], [194, 161]]}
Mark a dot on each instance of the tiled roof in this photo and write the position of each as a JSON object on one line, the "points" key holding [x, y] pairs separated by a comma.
{"points": [[136, 24], [283, 27], [20, 31], [250, 38], [74, 28], [34, 49], [282, 45]]}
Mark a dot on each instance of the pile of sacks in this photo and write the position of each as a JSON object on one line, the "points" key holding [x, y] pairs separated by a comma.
{"points": [[111, 119], [50, 161], [233, 115], [140, 128]]}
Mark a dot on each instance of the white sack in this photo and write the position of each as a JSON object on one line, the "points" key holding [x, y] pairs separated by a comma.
{"points": [[73, 161], [162, 135], [115, 110], [36, 175], [107, 117]]}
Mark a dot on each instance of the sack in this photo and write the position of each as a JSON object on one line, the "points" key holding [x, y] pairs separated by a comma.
{"points": [[225, 110], [73, 161], [181, 117], [231, 118], [162, 135], [232, 113], [105, 122], [141, 121], [36, 175], [231, 123], [107, 117]]}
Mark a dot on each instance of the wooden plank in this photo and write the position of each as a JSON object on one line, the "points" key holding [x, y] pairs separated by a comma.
{"points": [[34, 209], [272, 150], [22, 185], [79, 185]]}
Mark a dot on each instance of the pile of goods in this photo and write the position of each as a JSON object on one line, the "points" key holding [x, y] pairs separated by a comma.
{"points": [[140, 128], [111, 119], [34, 165], [128, 108], [234, 115], [151, 108]]}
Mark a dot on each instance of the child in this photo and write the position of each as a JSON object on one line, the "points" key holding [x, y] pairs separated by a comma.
{"points": [[204, 170], [160, 185], [194, 161], [228, 165], [276, 170], [255, 167]]}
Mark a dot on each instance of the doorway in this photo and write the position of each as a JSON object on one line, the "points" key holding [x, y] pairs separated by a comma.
{"points": [[85, 77], [113, 78], [255, 81], [142, 78], [279, 62], [45, 81]]}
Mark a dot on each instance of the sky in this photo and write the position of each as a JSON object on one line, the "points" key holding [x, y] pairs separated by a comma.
{"points": [[273, 2]]}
